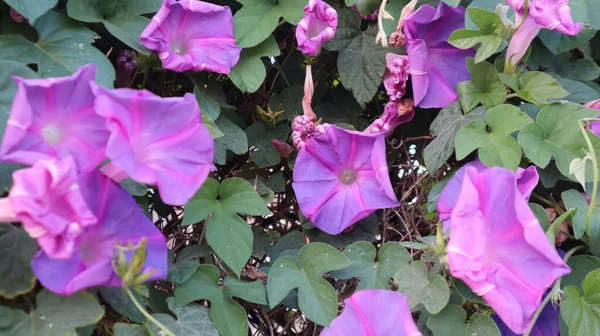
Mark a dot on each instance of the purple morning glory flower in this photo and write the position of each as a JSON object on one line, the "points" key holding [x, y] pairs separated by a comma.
{"points": [[527, 179], [316, 27], [55, 118], [341, 177], [119, 221], [436, 67], [374, 313], [157, 141], [549, 14], [498, 248], [193, 35]]}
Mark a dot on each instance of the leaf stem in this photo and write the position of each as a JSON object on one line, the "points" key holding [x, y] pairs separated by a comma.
{"points": [[146, 315], [595, 176]]}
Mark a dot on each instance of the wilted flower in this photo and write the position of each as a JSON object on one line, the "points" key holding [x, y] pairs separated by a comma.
{"points": [[498, 248], [395, 75], [527, 179], [549, 14], [120, 221], [47, 200], [374, 312], [343, 178], [126, 66], [370, 17], [193, 35], [394, 114], [16, 16], [54, 118], [436, 67], [316, 27], [158, 141]]}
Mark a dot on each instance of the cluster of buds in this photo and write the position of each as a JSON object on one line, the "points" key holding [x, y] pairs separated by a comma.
{"points": [[303, 127], [132, 273]]}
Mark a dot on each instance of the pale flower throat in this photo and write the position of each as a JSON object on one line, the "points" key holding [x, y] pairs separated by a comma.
{"points": [[52, 134], [347, 176]]}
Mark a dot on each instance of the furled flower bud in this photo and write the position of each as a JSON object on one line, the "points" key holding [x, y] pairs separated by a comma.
{"points": [[16, 16], [126, 65], [284, 149]]}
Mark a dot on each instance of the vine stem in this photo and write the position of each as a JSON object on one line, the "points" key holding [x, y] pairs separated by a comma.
{"points": [[555, 289], [146, 315], [595, 176]]}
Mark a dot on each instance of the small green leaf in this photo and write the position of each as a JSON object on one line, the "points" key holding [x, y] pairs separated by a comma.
{"points": [[445, 126], [31, 9], [581, 69], [289, 244], [124, 329], [54, 315], [260, 137], [228, 235], [580, 265], [234, 140], [558, 43], [575, 200], [365, 7], [16, 251], [488, 36], [451, 321], [582, 313], [192, 320], [121, 303], [577, 169], [317, 298], [64, 45], [554, 135], [373, 274], [430, 290], [209, 94], [485, 87], [496, 147], [361, 61], [227, 314], [182, 269], [249, 72], [537, 87], [258, 19]]}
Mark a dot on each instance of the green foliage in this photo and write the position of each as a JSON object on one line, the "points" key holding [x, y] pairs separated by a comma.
{"points": [[430, 290], [445, 127], [365, 7], [485, 87], [536, 87], [54, 315], [249, 72], [32, 9], [64, 45], [192, 320], [317, 298], [234, 140], [582, 312], [124, 329], [488, 36], [451, 322], [121, 303], [227, 314], [260, 136], [228, 235], [122, 18], [373, 274], [259, 18], [16, 250], [209, 94], [493, 137], [361, 62]]}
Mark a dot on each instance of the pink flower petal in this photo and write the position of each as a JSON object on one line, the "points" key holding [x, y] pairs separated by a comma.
{"points": [[317, 27]]}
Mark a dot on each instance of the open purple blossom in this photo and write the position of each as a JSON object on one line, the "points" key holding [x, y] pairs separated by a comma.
{"points": [[316, 27], [498, 248], [193, 35], [119, 221], [549, 14], [394, 114], [395, 75], [157, 141], [342, 177], [55, 118], [527, 179], [436, 67], [47, 200], [374, 312], [370, 17], [126, 66]]}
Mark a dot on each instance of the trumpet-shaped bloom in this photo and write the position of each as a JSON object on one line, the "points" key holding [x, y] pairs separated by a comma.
{"points": [[436, 67], [47, 200], [316, 27], [341, 177], [119, 221], [158, 141], [395, 76], [527, 179], [498, 248], [374, 313], [193, 35], [549, 14], [54, 118]]}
